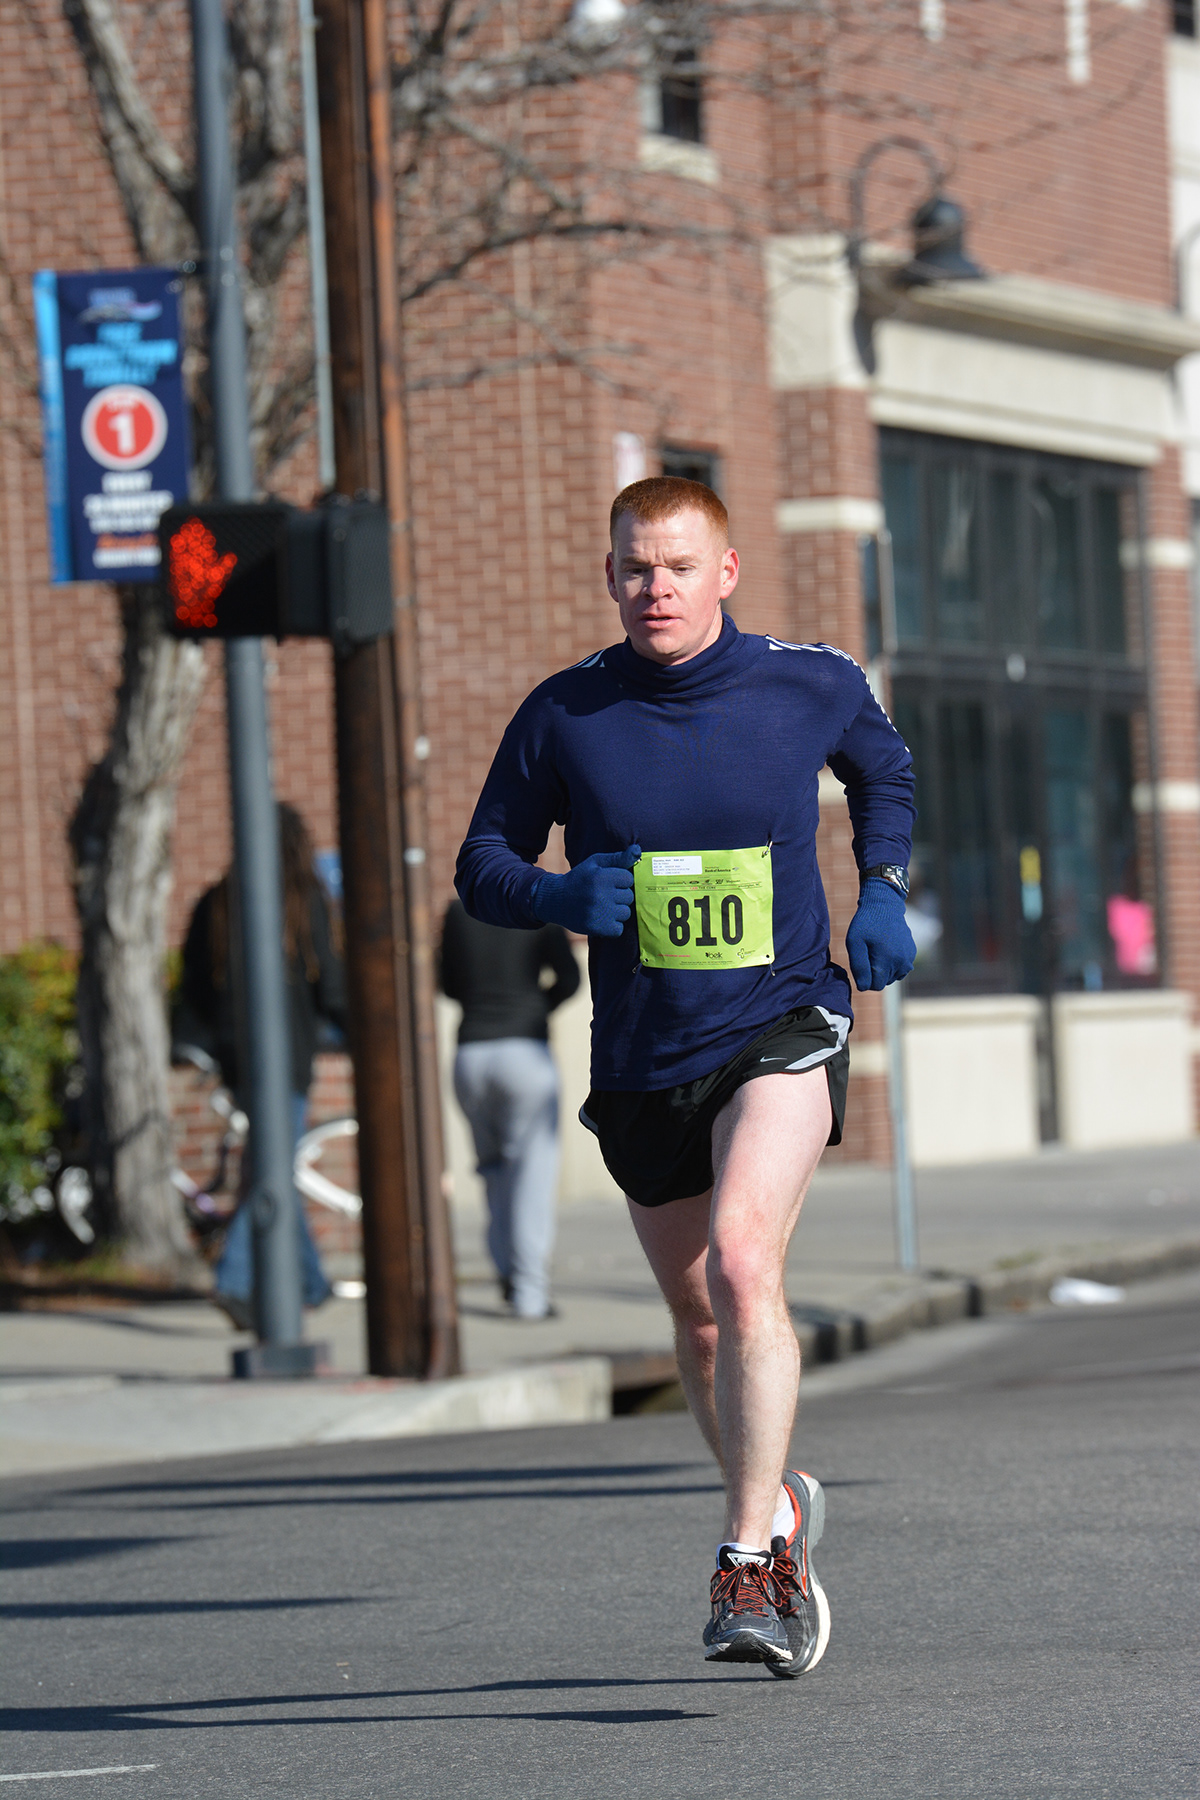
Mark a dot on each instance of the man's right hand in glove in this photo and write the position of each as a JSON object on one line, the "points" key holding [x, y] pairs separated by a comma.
{"points": [[594, 899]]}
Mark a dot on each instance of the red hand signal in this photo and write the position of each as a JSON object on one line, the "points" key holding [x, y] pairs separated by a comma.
{"points": [[197, 574]]}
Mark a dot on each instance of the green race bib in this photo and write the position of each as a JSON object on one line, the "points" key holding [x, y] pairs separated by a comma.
{"points": [[704, 909]]}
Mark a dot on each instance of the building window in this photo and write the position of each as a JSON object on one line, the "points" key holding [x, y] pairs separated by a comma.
{"points": [[681, 98], [1019, 684], [673, 92], [1183, 18], [692, 465]]}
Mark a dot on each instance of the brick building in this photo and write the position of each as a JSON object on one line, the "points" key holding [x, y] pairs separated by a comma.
{"points": [[1009, 448]]}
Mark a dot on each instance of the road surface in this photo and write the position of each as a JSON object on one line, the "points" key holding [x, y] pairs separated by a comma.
{"points": [[1011, 1559]]}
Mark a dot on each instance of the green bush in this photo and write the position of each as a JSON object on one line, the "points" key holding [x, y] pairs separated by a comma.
{"points": [[39, 1072]]}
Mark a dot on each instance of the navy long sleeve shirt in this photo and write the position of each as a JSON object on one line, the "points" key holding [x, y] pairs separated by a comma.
{"points": [[721, 752]]}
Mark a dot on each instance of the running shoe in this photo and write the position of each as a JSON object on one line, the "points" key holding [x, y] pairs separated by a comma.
{"points": [[799, 1597], [745, 1624]]}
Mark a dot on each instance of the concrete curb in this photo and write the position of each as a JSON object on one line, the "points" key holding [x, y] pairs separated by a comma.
{"points": [[944, 1298], [828, 1335], [1030, 1283], [574, 1391], [90, 1422], [48, 1424]]}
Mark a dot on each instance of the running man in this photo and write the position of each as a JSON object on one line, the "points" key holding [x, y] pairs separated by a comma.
{"points": [[683, 764]]}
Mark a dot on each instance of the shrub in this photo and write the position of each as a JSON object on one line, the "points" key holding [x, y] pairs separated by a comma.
{"points": [[39, 1071]]}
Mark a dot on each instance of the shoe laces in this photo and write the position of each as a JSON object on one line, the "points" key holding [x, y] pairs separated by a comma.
{"points": [[787, 1578], [748, 1588]]}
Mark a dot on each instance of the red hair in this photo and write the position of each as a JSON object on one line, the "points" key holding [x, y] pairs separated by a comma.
{"points": [[660, 497]]}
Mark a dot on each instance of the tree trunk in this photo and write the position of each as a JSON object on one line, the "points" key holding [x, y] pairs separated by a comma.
{"points": [[120, 835], [120, 842]]}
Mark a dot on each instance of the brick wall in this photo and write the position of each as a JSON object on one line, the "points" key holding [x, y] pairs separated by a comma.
{"points": [[512, 471], [1063, 180]]}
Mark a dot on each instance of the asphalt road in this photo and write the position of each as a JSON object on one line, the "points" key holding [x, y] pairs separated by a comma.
{"points": [[1011, 1559]]}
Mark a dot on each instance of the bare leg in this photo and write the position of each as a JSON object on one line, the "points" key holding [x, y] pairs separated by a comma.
{"points": [[766, 1144], [718, 1259], [675, 1239]]}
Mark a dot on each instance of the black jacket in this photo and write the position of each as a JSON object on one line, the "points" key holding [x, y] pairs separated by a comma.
{"points": [[495, 973], [204, 1013]]}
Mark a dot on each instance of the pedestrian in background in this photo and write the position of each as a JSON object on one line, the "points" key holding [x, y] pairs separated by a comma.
{"points": [[507, 1085], [316, 989]]}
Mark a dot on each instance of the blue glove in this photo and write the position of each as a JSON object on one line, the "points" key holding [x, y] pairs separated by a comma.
{"points": [[879, 943], [595, 899]]}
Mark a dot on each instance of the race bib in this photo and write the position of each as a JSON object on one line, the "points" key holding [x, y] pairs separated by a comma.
{"points": [[704, 909]]}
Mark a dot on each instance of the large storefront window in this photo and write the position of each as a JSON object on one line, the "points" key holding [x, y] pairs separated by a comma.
{"points": [[1019, 685]]}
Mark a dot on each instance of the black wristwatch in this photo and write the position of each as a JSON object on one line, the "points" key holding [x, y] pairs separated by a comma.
{"points": [[892, 873]]}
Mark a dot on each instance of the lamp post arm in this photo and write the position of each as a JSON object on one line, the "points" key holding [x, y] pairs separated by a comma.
{"points": [[858, 177]]}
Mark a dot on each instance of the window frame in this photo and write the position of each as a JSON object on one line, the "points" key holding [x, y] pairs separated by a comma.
{"points": [[1018, 680], [931, 452], [685, 459], [673, 84]]}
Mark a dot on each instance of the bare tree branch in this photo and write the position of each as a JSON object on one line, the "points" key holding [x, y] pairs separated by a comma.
{"points": [[514, 162], [155, 186], [578, 232], [16, 345]]}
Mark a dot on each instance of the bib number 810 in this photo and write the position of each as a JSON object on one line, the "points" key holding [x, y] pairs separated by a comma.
{"points": [[705, 910], [679, 921]]}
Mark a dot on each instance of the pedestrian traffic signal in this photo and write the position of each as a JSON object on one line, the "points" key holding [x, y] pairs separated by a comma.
{"points": [[222, 566], [264, 569]]}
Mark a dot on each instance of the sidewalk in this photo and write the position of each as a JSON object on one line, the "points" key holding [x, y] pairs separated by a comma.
{"points": [[101, 1383]]}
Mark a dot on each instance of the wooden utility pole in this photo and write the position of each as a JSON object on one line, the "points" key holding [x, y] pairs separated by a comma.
{"points": [[411, 1313]]}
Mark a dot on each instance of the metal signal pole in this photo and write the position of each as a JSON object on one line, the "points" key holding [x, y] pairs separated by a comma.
{"points": [[904, 1197], [258, 883], [411, 1310]]}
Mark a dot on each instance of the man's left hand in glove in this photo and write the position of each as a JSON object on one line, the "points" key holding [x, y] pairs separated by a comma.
{"points": [[879, 944]]}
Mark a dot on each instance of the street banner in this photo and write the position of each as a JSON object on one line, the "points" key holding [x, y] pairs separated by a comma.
{"points": [[114, 418]]}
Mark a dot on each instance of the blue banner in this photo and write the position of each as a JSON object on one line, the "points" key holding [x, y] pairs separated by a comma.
{"points": [[114, 418]]}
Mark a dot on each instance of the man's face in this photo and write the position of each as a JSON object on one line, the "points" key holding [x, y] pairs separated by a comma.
{"points": [[669, 581]]}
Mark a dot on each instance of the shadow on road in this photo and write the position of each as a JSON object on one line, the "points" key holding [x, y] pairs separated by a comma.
{"points": [[393, 1478], [134, 1609], [165, 1715], [49, 1553]]}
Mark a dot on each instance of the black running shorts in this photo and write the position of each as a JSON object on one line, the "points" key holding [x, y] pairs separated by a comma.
{"points": [[658, 1146]]}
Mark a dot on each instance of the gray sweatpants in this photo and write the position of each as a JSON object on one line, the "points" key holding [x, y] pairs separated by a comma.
{"points": [[508, 1088]]}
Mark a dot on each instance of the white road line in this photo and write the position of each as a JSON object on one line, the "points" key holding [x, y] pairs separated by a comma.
{"points": [[63, 1774]]}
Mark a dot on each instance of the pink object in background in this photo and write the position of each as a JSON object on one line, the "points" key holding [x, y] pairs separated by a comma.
{"points": [[1131, 927]]}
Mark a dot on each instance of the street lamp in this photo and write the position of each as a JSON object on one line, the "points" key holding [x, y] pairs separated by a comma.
{"points": [[939, 229], [938, 255]]}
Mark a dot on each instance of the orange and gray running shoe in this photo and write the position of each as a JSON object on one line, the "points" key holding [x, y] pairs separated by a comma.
{"points": [[799, 1597], [745, 1624]]}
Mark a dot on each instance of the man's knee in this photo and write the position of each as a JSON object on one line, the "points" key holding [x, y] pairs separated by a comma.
{"points": [[744, 1281]]}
